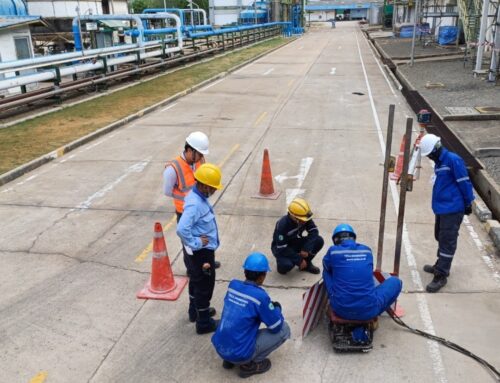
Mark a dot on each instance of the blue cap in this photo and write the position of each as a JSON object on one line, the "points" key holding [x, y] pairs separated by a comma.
{"points": [[256, 262]]}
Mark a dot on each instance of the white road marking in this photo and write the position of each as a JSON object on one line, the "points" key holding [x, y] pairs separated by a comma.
{"points": [[67, 158], [383, 72], [291, 193], [267, 72], [333, 70], [300, 48], [135, 168], [172, 105], [423, 307], [210, 85]]}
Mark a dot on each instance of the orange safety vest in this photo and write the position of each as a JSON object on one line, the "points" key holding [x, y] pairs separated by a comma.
{"points": [[185, 181]]}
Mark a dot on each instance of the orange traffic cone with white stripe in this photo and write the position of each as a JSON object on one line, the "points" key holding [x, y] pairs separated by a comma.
{"points": [[398, 169], [162, 284], [266, 180]]}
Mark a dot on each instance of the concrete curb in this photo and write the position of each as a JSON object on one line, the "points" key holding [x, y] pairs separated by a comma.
{"points": [[493, 229], [37, 162]]}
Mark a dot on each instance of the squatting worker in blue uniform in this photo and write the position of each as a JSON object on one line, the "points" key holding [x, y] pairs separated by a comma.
{"points": [[452, 197], [198, 232], [238, 339], [348, 278], [296, 239]]}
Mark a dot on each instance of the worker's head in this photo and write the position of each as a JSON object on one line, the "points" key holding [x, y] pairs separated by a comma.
{"points": [[208, 179], [256, 267], [430, 146], [299, 211], [343, 232], [196, 147]]}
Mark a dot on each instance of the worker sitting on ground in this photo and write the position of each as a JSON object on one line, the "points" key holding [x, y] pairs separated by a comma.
{"points": [[348, 278], [238, 339], [296, 239]]}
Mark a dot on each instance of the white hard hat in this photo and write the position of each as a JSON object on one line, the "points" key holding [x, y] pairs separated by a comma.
{"points": [[198, 141], [428, 144]]}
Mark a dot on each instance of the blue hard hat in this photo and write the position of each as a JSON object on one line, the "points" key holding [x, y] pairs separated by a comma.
{"points": [[343, 228], [256, 262]]}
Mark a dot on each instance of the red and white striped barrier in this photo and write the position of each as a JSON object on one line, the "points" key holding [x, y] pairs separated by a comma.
{"points": [[314, 303]]}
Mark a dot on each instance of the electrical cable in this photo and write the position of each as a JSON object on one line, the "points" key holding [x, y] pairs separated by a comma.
{"points": [[490, 368]]}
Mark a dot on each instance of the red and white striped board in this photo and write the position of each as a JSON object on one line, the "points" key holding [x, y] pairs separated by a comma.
{"points": [[314, 303], [381, 276]]}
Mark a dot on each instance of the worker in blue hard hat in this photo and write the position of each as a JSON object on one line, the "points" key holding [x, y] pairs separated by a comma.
{"points": [[452, 196], [348, 278], [238, 339]]}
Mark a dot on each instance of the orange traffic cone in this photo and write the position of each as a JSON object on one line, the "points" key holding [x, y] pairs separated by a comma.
{"points": [[162, 284], [266, 181], [398, 169]]}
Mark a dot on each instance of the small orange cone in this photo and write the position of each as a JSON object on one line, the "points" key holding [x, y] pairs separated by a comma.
{"points": [[266, 181], [398, 169], [162, 284]]}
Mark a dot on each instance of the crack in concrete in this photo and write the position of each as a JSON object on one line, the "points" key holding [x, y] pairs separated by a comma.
{"points": [[54, 223], [106, 231]]}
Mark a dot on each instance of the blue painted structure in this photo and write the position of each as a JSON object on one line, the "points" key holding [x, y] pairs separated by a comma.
{"points": [[259, 11], [13, 8]]}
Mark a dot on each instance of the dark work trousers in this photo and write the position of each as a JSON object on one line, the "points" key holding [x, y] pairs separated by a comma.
{"points": [[201, 282], [446, 230], [292, 257], [192, 308]]}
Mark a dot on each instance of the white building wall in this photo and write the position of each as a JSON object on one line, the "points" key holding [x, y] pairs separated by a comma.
{"points": [[58, 8], [320, 16]]}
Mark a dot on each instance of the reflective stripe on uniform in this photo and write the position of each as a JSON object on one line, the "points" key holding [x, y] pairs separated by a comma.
{"points": [[255, 300], [350, 252], [274, 325], [180, 176], [446, 255], [462, 179], [443, 168]]}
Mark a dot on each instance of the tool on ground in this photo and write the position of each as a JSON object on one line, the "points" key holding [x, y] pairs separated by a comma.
{"points": [[162, 283], [266, 190]]}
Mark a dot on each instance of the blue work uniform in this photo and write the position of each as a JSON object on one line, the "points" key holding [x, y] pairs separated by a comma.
{"points": [[198, 219], [451, 194], [290, 238], [246, 306], [348, 277]]}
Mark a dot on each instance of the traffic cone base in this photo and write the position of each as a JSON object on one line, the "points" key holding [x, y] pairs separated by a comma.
{"points": [[274, 195], [171, 295]]}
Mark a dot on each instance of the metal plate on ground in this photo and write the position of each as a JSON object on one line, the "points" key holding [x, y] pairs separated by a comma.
{"points": [[461, 110]]}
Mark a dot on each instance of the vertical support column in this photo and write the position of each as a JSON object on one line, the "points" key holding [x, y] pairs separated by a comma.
{"points": [[482, 35], [385, 183], [402, 196], [492, 76]]}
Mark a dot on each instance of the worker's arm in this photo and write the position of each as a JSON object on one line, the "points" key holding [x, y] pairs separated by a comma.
{"points": [[271, 315], [328, 273], [312, 229], [169, 180], [463, 180], [189, 217]]}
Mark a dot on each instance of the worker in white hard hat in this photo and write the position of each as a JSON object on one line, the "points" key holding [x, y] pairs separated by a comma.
{"points": [[452, 197], [178, 180]]}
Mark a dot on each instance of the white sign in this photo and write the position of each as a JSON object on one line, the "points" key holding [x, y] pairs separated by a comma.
{"points": [[91, 26]]}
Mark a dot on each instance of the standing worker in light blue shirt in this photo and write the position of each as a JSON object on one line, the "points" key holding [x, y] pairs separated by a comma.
{"points": [[198, 231], [452, 196], [238, 339]]}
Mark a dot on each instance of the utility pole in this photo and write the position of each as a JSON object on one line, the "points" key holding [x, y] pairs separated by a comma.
{"points": [[417, 18], [482, 35]]}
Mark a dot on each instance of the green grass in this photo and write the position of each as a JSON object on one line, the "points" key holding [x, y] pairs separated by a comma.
{"points": [[28, 140]]}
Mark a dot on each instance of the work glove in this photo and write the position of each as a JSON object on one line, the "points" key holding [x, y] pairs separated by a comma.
{"points": [[468, 210], [277, 304]]}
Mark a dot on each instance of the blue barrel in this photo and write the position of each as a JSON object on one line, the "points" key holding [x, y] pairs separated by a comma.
{"points": [[447, 35]]}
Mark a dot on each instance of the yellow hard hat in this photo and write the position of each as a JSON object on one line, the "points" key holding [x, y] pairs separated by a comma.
{"points": [[300, 209], [209, 174]]}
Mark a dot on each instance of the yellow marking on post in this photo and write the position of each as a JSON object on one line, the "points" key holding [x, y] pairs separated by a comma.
{"points": [[259, 120], [291, 82], [40, 377], [235, 148], [141, 257]]}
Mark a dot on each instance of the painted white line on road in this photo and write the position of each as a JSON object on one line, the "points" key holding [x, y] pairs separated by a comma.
{"points": [[305, 166], [135, 168], [169, 106], [267, 72], [423, 307], [245, 67], [300, 48], [333, 70], [68, 158], [212, 84], [27, 179]]}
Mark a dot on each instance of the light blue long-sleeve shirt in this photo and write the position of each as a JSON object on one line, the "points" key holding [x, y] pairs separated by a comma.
{"points": [[198, 219]]}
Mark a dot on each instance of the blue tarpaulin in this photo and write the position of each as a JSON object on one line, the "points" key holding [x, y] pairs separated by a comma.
{"points": [[447, 35]]}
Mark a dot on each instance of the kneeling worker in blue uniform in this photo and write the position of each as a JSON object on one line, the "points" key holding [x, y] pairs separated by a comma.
{"points": [[238, 339], [348, 278]]}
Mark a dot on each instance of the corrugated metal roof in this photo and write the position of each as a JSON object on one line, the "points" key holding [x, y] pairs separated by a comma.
{"points": [[15, 21]]}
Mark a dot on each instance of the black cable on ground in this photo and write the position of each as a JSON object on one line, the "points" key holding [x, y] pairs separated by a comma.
{"points": [[492, 370]]}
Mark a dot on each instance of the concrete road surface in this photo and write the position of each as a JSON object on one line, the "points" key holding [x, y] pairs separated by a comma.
{"points": [[75, 232]]}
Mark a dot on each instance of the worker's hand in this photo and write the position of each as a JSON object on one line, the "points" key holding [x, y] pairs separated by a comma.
{"points": [[277, 304], [304, 254], [206, 268], [468, 210], [204, 240], [303, 265]]}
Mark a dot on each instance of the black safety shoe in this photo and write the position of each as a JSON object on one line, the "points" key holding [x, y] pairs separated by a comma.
{"points": [[227, 365], [207, 328], [211, 313], [429, 269], [216, 264], [254, 368], [312, 269], [437, 282]]}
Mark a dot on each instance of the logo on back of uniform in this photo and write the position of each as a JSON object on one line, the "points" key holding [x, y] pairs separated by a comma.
{"points": [[280, 237], [271, 306]]}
